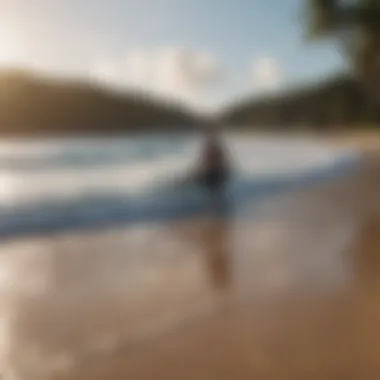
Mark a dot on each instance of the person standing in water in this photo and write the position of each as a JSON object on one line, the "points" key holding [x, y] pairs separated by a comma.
{"points": [[214, 163]]}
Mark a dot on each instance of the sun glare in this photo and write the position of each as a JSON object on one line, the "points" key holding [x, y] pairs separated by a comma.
{"points": [[7, 49]]}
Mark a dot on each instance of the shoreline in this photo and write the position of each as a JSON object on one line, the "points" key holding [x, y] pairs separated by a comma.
{"points": [[97, 212]]}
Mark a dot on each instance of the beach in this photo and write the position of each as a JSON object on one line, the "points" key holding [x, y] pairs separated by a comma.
{"points": [[290, 290], [190, 190]]}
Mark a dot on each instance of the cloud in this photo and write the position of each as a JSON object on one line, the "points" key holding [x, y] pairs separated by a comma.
{"points": [[175, 73], [266, 73]]}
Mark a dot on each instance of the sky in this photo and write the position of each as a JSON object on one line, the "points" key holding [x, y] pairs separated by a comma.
{"points": [[203, 53]]}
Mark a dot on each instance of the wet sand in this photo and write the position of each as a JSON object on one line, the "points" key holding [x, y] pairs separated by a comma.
{"points": [[290, 291]]}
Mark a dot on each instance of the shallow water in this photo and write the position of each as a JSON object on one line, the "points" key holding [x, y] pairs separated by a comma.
{"points": [[53, 185], [292, 291]]}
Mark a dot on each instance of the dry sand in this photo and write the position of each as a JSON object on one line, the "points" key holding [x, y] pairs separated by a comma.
{"points": [[290, 292]]}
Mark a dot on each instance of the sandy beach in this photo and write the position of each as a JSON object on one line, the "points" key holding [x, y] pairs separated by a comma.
{"points": [[289, 291]]}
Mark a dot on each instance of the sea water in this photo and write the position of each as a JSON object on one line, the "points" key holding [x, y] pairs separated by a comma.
{"points": [[52, 185]]}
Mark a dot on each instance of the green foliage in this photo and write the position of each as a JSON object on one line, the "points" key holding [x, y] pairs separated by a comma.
{"points": [[323, 17], [356, 24]]}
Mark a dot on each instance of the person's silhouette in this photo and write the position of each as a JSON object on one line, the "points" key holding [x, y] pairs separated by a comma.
{"points": [[214, 167]]}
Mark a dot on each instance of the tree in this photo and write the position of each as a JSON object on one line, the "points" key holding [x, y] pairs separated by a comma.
{"points": [[355, 24]]}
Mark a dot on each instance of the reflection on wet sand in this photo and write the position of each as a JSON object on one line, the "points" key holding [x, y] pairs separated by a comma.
{"points": [[301, 274], [214, 243], [217, 255]]}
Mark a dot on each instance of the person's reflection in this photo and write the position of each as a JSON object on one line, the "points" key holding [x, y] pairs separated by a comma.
{"points": [[217, 255], [211, 238], [215, 245]]}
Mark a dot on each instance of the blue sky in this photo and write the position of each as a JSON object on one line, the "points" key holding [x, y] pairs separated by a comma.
{"points": [[203, 52]]}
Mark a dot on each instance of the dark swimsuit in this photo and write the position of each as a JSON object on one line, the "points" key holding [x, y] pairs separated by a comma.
{"points": [[215, 172], [215, 179]]}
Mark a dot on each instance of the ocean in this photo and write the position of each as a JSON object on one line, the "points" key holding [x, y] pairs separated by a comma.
{"points": [[53, 185]]}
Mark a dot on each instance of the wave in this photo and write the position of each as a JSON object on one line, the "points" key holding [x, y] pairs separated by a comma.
{"points": [[141, 189]]}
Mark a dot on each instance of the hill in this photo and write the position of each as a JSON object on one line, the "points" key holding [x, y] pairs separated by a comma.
{"points": [[33, 105], [338, 101]]}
